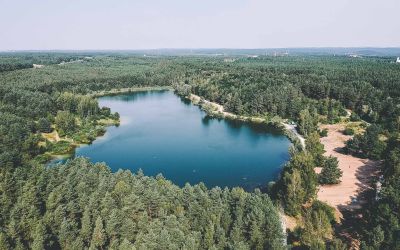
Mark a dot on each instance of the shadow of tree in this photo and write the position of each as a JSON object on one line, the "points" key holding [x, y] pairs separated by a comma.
{"points": [[353, 221]]}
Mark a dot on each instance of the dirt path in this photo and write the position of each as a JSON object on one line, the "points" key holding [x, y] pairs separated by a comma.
{"points": [[218, 107], [293, 129], [357, 173]]}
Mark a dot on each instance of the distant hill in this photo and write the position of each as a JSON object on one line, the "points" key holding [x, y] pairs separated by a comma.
{"points": [[351, 51]]}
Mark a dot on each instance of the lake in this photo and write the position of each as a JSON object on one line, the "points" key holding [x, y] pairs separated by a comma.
{"points": [[163, 133]]}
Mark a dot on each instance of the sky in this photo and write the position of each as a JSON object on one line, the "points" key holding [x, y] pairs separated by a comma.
{"points": [[151, 24]]}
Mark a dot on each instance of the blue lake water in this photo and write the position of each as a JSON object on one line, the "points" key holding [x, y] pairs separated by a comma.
{"points": [[162, 133]]}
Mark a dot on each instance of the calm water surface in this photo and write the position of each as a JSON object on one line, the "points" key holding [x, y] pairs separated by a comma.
{"points": [[161, 133]]}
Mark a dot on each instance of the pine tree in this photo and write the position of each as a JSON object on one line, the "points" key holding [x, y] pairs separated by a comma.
{"points": [[39, 237], [220, 237], [86, 229], [256, 238], [113, 224], [294, 194], [315, 148], [317, 228], [65, 122], [126, 245], [209, 236], [99, 235], [330, 173], [307, 121], [4, 245], [331, 113], [304, 162], [44, 125]]}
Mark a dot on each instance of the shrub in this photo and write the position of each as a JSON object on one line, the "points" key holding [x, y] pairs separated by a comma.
{"points": [[323, 133], [348, 131], [354, 117]]}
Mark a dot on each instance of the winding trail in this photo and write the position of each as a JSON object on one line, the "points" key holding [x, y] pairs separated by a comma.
{"points": [[292, 128]]}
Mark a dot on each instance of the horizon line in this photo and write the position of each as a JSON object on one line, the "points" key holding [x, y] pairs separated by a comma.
{"points": [[208, 48]]}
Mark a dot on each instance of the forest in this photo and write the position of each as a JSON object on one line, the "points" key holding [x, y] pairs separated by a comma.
{"points": [[82, 205]]}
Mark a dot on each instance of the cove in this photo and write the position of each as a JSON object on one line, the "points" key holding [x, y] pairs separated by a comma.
{"points": [[163, 133]]}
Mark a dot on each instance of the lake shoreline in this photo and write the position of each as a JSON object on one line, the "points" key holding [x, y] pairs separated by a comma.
{"points": [[54, 137], [287, 129], [119, 91], [217, 136], [95, 94], [217, 110]]}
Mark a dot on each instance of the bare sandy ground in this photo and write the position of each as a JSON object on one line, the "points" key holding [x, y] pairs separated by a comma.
{"points": [[357, 172], [289, 222], [53, 136], [218, 107], [292, 128]]}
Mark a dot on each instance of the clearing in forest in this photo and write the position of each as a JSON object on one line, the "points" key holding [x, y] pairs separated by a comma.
{"points": [[357, 172]]}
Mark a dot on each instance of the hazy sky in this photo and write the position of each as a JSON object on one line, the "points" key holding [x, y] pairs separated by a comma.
{"points": [[146, 24]]}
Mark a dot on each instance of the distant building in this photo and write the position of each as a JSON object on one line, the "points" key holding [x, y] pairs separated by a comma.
{"points": [[398, 60], [229, 60], [38, 66], [280, 53]]}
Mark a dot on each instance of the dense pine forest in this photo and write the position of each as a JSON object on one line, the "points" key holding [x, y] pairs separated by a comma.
{"points": [[81, 205]]}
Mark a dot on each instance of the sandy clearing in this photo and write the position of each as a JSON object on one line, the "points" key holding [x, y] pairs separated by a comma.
{"points": [[289, 222], [357, 172], [52, 137]]}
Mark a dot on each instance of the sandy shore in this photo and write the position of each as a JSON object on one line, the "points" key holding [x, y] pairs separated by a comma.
{"points": [[219, 109], [52, 137], [357, 172], [293, 129]]}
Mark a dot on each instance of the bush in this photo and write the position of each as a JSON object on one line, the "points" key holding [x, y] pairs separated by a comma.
{"points": [[354, 117], [323, 133], [115, 116], [348, 131], [62, 148], [106, 111], [342, 112], [329, 211]]}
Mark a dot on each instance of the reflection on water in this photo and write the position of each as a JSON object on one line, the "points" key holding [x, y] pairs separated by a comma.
{"points": [[167, 134]]}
